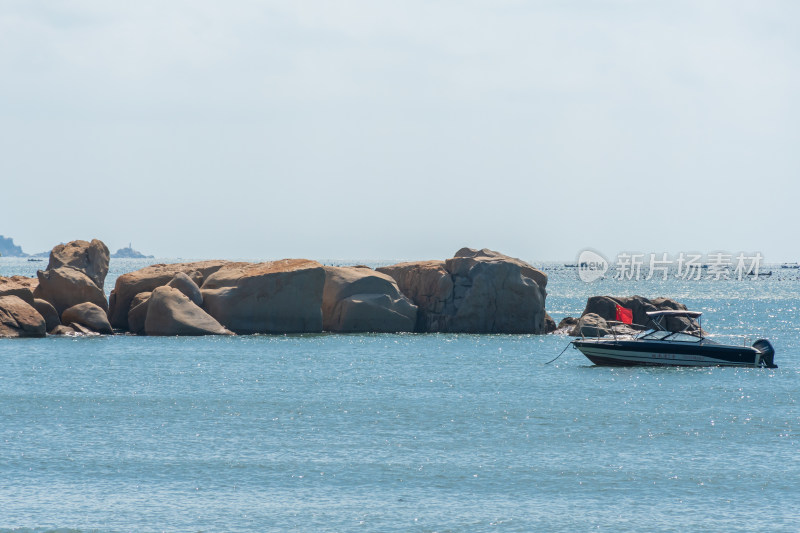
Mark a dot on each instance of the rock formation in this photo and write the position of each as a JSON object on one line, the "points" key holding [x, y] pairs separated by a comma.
{"points": [[75, 274], [149, 278], [275, 297], [20, 319], [170, 312], [477, 291], [64, 287], [88, 315], [604, 308], [91, 258], [357, 299]]}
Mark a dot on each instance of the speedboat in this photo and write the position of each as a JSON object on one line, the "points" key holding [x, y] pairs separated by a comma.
{"points": [[661, 347]]}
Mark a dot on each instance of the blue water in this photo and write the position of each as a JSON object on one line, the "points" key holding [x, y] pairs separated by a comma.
{"points": [[404, 432]]}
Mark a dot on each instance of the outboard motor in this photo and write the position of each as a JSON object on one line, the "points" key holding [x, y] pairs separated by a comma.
{"points": [[767, 353]]}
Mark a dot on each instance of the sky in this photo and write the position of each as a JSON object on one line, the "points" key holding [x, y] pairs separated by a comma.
{"points": [[401, 130]]}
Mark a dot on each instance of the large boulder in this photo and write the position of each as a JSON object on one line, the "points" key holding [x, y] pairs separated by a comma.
{"points": [[170, 312], [591, 325], [91, 258], [48, 312], [275, 297], [88, 315], [477, 291], [19, 286], [147, 279], [20, 319], [64, 287], [359, 299]]}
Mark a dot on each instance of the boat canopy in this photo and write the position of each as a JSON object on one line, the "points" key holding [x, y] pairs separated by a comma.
{"points": [[674, 313]]}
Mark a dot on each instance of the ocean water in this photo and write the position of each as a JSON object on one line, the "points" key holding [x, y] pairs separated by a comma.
{"points": [[404, 432]]}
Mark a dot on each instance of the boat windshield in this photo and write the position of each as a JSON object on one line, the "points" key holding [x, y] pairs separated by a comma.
{"points": [[654, 334], [661, 335]]}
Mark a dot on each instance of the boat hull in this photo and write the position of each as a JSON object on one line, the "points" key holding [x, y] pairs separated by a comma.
{"points": [[609, 352]]}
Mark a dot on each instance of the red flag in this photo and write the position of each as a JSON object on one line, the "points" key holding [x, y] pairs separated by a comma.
{"points": [[624, 315]]}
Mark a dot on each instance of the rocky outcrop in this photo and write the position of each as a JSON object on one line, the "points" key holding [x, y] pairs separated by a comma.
{"points": [[91, 258], [274, 297], [88, 315], [359, 299], [604, 308], [19, 286], [149, 278], [48, 312], [170, 312], [477, 291], [20, 319], [64, 287]]}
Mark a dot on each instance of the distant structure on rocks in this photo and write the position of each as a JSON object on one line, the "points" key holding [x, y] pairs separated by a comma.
{"points": [[129, 253]]}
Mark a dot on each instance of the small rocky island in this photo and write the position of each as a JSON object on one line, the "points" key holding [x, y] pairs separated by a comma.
{"points": [[475, 291], [9, 249], [129, 253]]}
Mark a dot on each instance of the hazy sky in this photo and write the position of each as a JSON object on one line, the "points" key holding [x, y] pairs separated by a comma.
{"points": [[369, 129]]}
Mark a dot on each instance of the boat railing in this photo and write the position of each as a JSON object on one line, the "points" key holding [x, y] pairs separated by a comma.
{"points": [[613, 334], [745, 340]]}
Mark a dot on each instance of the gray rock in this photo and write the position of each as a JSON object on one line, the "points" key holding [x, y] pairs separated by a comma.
{"points": [[477, 291], [361, 300], [48, 312], [88, 315], [274, 297], [20, 319], [146, 279], [64, 287], [591, 325], [91, 258], [170, 312]]}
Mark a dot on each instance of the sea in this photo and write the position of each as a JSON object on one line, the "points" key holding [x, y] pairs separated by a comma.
{"points": [[405, 432]]}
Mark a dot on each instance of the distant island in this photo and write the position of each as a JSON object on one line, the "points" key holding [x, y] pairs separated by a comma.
{"points": [[9, 249], [129, 253]]}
